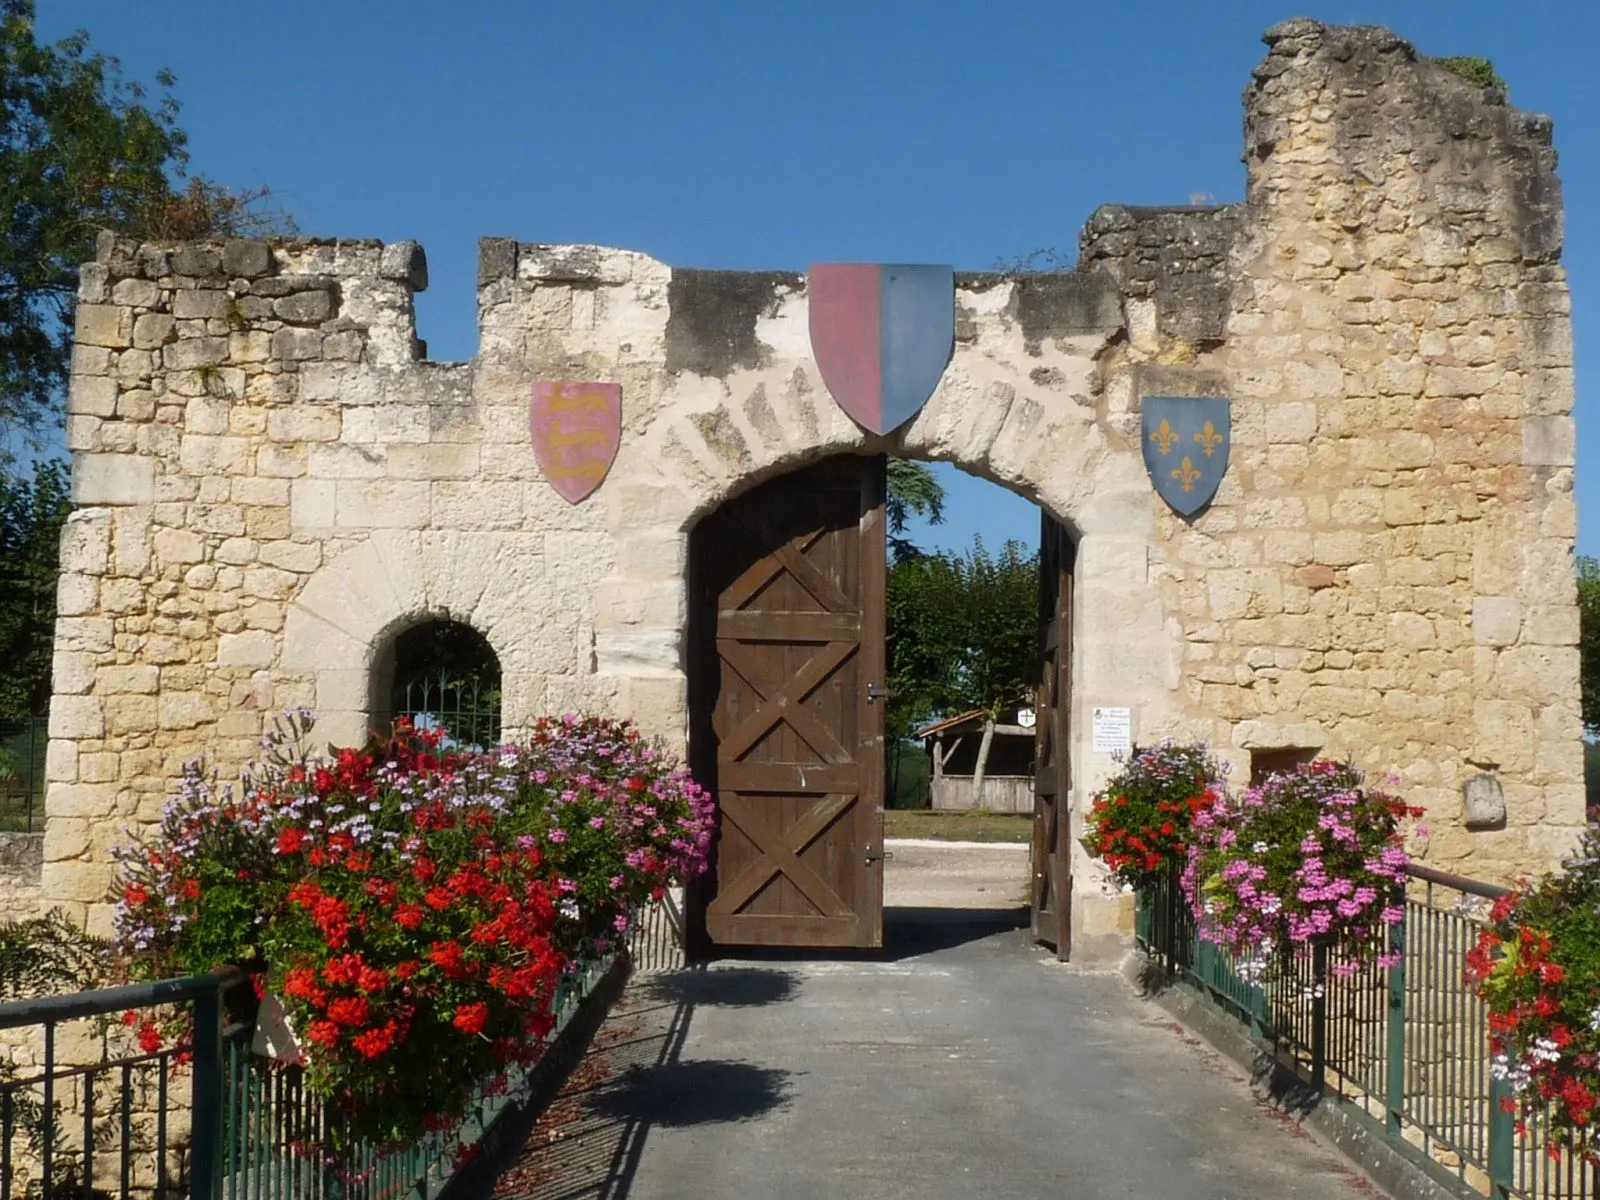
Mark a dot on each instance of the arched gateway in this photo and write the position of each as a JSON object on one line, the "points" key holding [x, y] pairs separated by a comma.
{"points": [[272, 482]]}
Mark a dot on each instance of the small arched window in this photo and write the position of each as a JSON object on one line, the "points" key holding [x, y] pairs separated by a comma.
{"points": [[441, 674]]}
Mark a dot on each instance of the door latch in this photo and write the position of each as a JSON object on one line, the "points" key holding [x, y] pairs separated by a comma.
{"points": [[877, 855], [874, 692]]}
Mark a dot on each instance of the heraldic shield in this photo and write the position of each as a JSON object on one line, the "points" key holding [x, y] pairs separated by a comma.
{"points": [[1186, 448], [882, 334], [577, 428]]}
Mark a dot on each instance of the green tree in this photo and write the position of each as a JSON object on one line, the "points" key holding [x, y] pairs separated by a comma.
{"points": [[999, 666], [31, 516], [1589, 639], [81, 150], [912, 491], [962, 636]]}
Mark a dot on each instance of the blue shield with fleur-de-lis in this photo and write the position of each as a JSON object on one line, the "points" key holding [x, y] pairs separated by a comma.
{"points": [[1186, 448]]}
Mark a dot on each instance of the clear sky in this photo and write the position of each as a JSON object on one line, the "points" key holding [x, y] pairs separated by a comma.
{"points": [[776, 133]]}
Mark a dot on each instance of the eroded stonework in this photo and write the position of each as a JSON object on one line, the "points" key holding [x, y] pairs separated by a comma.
{"points": [[271, 481]]}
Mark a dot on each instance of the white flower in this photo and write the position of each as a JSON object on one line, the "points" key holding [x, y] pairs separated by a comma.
{"points": [[569, 909], [1594, 1019], [1544, 1050], [1259, 848], [1519, 1076]]}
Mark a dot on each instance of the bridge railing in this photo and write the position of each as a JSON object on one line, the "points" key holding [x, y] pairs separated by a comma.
{"points": [[206, 1118], [1406, 1048]]}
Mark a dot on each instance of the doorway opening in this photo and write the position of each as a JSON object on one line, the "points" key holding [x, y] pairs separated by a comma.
{"points": [[838, 641]]}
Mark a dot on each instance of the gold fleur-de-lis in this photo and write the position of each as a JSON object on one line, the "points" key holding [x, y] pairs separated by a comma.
{"points": [[1165, 437], [1186, 474], [1209, 439]]}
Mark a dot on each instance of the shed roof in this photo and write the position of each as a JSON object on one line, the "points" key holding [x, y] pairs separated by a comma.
{"points": [[973, 720]]}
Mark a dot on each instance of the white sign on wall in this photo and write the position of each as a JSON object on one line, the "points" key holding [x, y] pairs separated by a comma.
{"points": [[1113, 730]]}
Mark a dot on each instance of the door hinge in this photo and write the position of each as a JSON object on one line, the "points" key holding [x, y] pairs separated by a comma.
{"points": [[874, 692], [877, 855]]}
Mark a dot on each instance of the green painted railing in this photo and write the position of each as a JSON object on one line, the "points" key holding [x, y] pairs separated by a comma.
{"points": [[95, 1122], [272, 1123], [1405, 1048]]}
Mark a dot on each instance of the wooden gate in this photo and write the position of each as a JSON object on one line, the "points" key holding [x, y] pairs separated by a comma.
{"points": [[1052, 763], [787, 649]]}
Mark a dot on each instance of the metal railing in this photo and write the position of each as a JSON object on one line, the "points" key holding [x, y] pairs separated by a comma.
{"points": [[22, 750], [1406, 1047], [655, 943], [248, 1129], [466, 705], [85, 1127]]}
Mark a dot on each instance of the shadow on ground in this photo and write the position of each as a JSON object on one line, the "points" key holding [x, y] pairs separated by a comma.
{"points": [[907, 933], [704, 1092], [634, 1078], [733, 987]]}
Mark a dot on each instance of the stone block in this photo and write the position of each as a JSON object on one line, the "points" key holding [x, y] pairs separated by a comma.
{"points": [[1291, 421], [195, 353], [1548, 441], [280, 461], [206, 414], [1485, 803], [93, 281], [246, 257], [1496, 620], [381, 504], [86, 542], [76, 717], [304, 308], [176, 546], [184, 710], [153, 330], [113, 479], [406, 262], [438, 460], [303, 423], [256, 490], [137, 680], [93, 396], [257, 648], [302, 557], [89, 800], [297, 345], [193, 259], [237, 551], [200, 304], [106, 325], [313, 503]]}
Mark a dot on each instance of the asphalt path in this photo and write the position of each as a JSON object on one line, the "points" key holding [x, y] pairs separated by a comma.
{"points": [[962, 1062]]}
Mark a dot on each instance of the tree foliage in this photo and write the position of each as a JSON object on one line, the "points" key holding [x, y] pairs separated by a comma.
{"points": [[1589, 639], [962, 632], [913, 491], [962, 635], [81, 150], [1477, 71], [31, 516]]}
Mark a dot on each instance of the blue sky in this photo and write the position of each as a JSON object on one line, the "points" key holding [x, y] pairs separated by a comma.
{"points": [[749, 134]]}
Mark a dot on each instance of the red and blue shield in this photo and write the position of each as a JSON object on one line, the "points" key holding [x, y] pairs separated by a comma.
{"points": [[1185, 448], [577, 428], [883, 334]]}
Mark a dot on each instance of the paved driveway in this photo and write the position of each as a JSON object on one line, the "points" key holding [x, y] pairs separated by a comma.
{"points": [[962, 1064]]}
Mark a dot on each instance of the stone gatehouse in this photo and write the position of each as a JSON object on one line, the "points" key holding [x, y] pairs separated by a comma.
{"points": [[273, 481]]}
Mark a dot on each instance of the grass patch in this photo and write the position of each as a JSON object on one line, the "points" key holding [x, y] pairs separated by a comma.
{"points": [[958, 826]]}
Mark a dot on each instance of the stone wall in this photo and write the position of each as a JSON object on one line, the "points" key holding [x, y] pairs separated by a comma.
{"points": [[272, 481], [21, 866]]}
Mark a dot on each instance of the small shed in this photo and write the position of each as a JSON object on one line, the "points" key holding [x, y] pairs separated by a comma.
{"points": [[1008, 779]]}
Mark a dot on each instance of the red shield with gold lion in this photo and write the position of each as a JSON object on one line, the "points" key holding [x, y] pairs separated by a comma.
{"points": [[577, 428]]}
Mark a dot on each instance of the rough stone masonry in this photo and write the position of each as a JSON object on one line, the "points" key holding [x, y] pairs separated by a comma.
{"points": [[272, 480]]}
